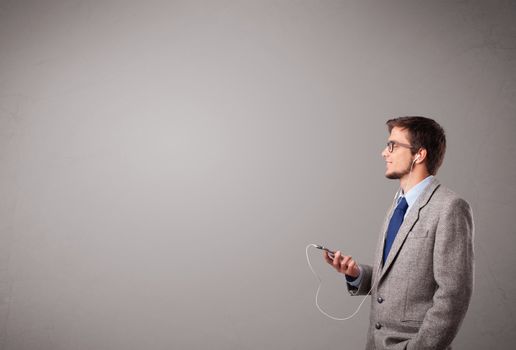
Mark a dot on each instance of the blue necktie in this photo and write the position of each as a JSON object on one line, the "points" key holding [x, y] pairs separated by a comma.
{"points": [[394, 226]]}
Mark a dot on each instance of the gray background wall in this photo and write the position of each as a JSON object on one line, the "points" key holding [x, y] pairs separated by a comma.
{"points": [[163, 164]]}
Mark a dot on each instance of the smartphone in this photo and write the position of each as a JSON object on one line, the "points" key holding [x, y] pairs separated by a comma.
{"points": [[331, 253]]}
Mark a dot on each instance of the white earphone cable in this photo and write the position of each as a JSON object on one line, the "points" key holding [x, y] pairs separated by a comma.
{"points": [[319, 288]]}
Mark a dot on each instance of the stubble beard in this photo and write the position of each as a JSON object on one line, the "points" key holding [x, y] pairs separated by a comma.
{"points": [[398, 175]]}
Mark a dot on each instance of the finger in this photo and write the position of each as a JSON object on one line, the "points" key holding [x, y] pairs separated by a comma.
{"points": [[328, 259], [352, 269], [336, 260], [344, 263]]}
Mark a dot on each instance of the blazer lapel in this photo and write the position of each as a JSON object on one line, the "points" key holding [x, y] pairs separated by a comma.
{"points": [[377, 264], [406, 226]]}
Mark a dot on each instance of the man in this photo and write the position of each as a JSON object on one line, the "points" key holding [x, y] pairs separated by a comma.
{"points": [[421, 278]]}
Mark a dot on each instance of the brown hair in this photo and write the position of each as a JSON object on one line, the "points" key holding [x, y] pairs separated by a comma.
{"points": [[423, 133]]}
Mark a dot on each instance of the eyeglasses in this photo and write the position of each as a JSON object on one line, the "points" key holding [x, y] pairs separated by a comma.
{"points": [[392, 144]]}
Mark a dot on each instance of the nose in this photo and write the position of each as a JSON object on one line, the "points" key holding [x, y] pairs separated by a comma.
{"points": [[385, 152]]}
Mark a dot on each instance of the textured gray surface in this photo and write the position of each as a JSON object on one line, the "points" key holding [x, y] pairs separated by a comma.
{"points": [[164, 164]]}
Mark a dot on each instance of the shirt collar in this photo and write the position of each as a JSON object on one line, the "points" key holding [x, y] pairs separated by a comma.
{"points": [[412, 195]]}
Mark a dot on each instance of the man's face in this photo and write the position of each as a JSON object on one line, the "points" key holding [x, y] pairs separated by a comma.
{"points": [[398, 162]]}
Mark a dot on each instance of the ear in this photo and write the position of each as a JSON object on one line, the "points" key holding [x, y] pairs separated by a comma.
{"points": [[420, 156]]}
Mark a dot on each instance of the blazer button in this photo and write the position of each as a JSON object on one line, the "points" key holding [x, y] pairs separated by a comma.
{"points": [[378, 325], [380, 300]]}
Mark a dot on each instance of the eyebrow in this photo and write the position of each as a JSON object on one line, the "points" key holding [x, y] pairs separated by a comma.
{"points": [[389, 140]]}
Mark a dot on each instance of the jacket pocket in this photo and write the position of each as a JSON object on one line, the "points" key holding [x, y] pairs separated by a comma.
{"points": [[418, 234], [415, 323]]}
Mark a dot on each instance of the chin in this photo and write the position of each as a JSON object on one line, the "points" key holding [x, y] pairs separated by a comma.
{"points": [[393, 176]]}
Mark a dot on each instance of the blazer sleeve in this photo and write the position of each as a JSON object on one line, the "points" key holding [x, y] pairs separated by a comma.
{"points": [[365, 284], [453, 273]]}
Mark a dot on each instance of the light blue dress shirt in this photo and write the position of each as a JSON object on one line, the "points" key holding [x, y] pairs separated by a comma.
{"points": [[411, 198]]}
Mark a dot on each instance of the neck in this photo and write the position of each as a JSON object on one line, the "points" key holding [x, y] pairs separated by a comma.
{"points": [[412, 179]]}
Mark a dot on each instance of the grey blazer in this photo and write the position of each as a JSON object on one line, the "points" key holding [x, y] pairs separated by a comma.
{"points": [[421, 295]]}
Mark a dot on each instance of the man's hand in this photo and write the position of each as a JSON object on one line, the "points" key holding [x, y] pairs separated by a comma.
{"points": [[343, 264]]}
